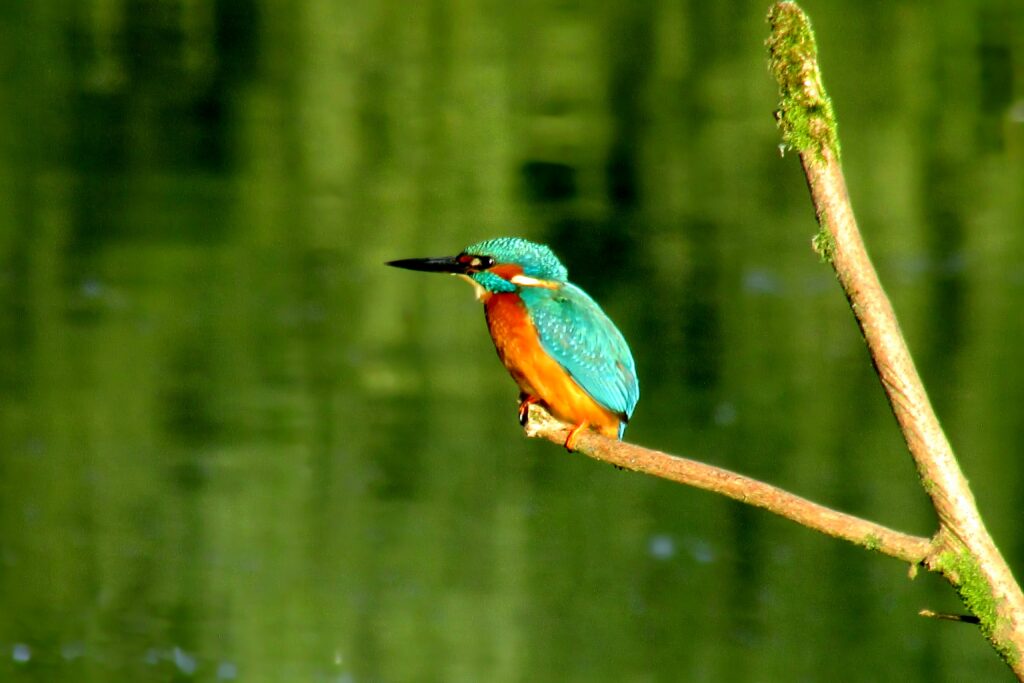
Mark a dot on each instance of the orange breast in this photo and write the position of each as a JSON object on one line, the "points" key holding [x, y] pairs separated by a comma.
{"points": [[536, 373]]}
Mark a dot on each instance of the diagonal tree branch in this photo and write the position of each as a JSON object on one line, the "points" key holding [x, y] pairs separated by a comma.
{"points": [[964, 551], [872, 536]]}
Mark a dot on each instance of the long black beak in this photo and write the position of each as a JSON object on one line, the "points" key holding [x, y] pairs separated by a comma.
{"points": [[443, 264]]}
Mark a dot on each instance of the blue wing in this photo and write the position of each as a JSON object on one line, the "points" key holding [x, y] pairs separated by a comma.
{"points": [[582, 339]]}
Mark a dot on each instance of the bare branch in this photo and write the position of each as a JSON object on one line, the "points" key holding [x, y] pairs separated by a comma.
{"points": [[963, 618], [913, 549]]}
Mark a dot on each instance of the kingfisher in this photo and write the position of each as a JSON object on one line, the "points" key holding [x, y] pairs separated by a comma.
{"points": [[559, 346]]}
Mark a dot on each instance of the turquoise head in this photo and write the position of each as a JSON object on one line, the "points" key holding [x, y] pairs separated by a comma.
{"points": [[498, 265]]}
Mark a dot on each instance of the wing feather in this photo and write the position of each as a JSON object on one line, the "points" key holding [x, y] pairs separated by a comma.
{"points": [[582, 339]]}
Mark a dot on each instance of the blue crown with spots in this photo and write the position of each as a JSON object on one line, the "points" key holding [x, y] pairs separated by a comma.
{"points": [[536, 260]]}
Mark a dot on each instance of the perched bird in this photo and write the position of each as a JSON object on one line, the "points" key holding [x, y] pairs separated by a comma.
{"points": [[557, 343]]}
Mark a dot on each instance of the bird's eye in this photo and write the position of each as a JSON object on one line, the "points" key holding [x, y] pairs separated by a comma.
{"points": [[476, 262]]}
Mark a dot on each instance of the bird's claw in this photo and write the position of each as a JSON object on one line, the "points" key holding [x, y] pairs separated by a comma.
{"points": [[524, 409], [573, 437]]}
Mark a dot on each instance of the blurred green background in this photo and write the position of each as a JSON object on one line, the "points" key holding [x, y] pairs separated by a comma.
{"points": [[234, 446]]}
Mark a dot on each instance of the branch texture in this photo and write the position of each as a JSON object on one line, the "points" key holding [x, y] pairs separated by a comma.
{"points": [[872, 536], [964, 551]]}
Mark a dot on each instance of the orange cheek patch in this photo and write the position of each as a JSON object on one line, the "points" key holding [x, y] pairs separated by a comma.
{"points": [[507, 271]]}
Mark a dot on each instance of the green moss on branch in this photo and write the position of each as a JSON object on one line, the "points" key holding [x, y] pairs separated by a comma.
{"points": [[805, 111], [962, 569], [824, 243]]}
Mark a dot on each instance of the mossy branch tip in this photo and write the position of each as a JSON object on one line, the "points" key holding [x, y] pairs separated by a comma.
{"points": [[805, 112]]}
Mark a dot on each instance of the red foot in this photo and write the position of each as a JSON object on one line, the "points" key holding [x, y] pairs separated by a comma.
{"points": [[524, 409], [570, 441]]}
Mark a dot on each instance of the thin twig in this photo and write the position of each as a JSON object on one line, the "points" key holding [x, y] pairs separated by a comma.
{"points": [[945, 616]]}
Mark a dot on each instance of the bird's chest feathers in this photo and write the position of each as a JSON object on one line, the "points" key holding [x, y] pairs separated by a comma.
{"points": [[513, 333], [515, 337]]}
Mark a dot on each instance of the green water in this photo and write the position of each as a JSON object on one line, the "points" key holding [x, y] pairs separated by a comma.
{"points": [[234, 446]]}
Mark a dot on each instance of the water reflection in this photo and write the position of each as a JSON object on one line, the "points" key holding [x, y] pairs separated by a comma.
{"points": [[233, 446]]}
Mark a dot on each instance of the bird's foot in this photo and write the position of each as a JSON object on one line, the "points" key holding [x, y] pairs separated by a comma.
{"points": [[570, 441], [524, 408]]}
